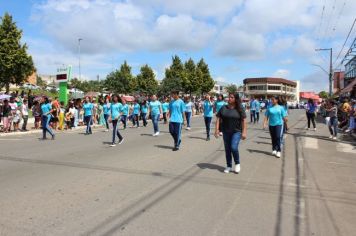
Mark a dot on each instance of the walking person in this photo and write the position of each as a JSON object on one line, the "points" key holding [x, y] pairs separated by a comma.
{"points": [[136, 112], [208, 115], [257, 111], [217, 106], [274, 118], [176, 119], [252, 110], [46, 110], [115, 110], [155, 109], [106, 109], [144, 112], [88, 114], [189, 107], [125, 109], [311, 110], [333, 123], [24, 114], [6, 114], [232, 119], [165, 107]]}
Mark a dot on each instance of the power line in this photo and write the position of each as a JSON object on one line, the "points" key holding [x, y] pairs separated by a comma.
{"points": [[331, 16], [321, 22], [336, 22], [347, 38]]}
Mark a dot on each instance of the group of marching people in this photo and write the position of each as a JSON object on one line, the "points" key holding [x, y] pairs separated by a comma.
{"points": [[230, 119]]}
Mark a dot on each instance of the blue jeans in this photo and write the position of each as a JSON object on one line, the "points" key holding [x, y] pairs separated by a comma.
{"points": [[124, 120], [188, 115], [276, 136], [175, 129], [45, 126], [87, 120], [155, 120], [136, 120], [253, 116], [333, 126], [231, 143], [207, 125], [115, 131], [144, 119]]}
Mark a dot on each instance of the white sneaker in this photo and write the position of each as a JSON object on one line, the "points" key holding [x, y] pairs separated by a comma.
{"points": [[157, 133], [330, 137], [334, 138], [314, 129], [113, 145], [188, 128], [154, 135], [274, 153], [221, 134], [278, 155], [106, 130], [227, 170], [237, 168]]}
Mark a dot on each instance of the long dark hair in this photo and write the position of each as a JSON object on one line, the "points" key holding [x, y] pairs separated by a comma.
{"points": [[238, 105]]}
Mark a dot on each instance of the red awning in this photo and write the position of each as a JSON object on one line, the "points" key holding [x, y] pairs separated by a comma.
{"points": [[128, 98]]}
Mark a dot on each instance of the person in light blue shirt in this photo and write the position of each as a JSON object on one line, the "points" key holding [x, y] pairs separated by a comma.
{"points": [[144, 112], [208, 108], [88, 112], [189, 106], [125, 109], [155, 111], [176, 114], [106, 109], [165, 107], [218, 105], [116, 111], [253, 110], [46, 110], [275, 117], [135, 114], [257, 111]]}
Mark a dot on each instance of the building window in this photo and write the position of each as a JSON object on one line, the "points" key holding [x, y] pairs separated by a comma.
{"points": [[271, 87], [257, 87]]}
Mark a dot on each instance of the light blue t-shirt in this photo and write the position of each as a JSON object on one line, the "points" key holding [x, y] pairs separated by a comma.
{"points": [[88, 107], [275, 115], [46, 108], [144, 108], [136, 109], [165, 107], [106, 108], [155, 108], [125, 110], [257, 106], [189, 107], [176, 109], [219, 105], [253, 105], [115, 110], [208, 109]]}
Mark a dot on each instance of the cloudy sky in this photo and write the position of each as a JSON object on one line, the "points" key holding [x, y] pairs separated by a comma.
{"points": [[237, 38]]}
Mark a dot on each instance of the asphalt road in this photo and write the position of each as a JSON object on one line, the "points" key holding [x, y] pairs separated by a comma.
{"points": [[78, 185]]}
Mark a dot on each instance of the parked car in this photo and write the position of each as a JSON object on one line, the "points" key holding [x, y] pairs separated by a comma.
{"points": [[52, 88], [30, 86]]}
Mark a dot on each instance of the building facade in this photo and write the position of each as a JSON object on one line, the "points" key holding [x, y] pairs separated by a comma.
{"points": [[267, 87]]}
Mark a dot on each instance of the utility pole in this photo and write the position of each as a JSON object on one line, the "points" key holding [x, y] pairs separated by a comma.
{"points": [[330, 69]]}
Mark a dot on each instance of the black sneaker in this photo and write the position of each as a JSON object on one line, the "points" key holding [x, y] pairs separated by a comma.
{"points": [[121, 141], [175, 149], [208, 139], [53, 137]]}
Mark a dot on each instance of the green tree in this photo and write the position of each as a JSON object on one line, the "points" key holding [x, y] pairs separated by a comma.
{"points": [[190, 79], [75, 83], [41, 82], [173, 77], [146, 81], [120, 81], [323, 95], [15, 64], [205, 79], [231, 88]]}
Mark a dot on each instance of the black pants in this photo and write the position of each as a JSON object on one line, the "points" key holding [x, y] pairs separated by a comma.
{"points": [[207, 125], [106, 117], [311, 117], [276, 136], [257, 116], [165, 117], [124, 120], [24, 125], [115, 131], [253, 116]]}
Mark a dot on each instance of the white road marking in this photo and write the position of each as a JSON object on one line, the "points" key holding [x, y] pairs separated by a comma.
{"points": [[344, 147], [338, 163], [311, 143]]}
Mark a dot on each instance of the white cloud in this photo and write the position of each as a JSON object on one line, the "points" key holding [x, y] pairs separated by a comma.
{"points": [[305, 46], [282, 44], [288, 61], [282, 73], [240, 44], [316, 81], [220, 79]]}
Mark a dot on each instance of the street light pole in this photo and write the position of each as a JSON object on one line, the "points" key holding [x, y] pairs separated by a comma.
{"points": [[330, 69]]}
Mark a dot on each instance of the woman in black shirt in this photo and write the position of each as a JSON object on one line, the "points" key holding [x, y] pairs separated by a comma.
{"points": [[233, 122]]}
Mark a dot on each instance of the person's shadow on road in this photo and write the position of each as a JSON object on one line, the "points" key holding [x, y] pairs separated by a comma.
{"points": [[210, 166]]}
